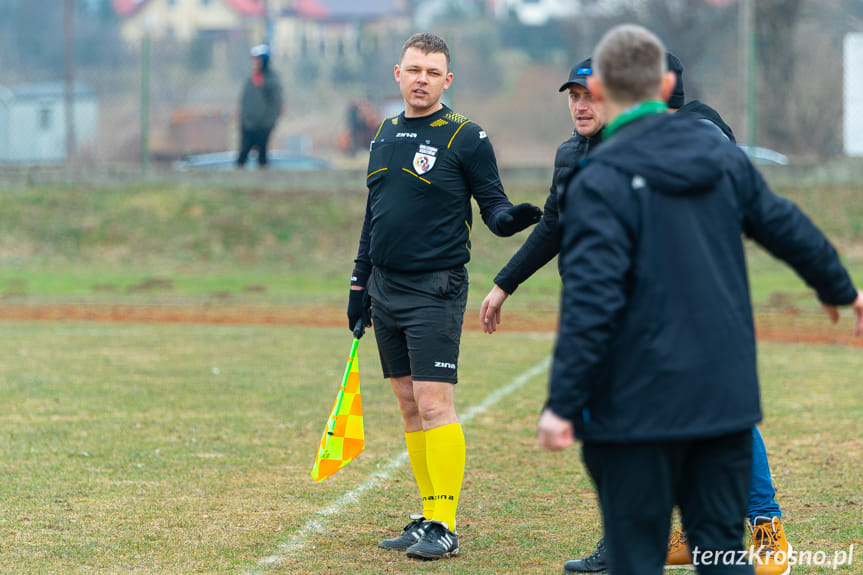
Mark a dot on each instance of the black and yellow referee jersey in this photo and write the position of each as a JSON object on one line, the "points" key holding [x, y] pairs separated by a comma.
{"points": [[421, 176]]}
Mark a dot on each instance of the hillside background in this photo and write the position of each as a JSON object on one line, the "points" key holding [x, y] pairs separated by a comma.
{"points": [[506, 73]]}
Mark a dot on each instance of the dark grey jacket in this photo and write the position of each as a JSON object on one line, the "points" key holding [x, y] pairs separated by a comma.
{"points": [[260, 105]]}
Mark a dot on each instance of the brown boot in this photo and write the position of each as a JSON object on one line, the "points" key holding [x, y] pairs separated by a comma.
{"points": [[678, 551], [769, 546]]}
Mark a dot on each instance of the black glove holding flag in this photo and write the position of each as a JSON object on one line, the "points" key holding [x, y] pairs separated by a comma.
{"points": [[517, 218], [359, 311]]}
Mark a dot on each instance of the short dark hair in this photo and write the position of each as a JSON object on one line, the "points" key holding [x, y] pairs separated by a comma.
{"points": [[630, 61], [427, 43]]}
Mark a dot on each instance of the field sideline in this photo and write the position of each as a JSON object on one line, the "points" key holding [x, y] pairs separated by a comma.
{"points": [[176, 448]]}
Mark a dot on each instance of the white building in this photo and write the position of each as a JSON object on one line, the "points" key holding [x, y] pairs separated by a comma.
{"points": [[536, 12], [33, 122]]}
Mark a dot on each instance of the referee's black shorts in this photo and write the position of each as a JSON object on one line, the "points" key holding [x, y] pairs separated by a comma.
{"points": [[417, 320]]}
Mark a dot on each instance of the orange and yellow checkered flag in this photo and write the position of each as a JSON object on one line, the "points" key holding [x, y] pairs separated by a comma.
{"points": [[344, 437]]}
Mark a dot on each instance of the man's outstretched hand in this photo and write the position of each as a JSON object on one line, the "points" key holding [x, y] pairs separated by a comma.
{"points": [[489, 311], [517, 218], [554, 433], [857, 306]]}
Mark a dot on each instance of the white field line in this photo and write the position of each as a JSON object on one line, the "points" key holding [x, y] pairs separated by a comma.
{"points": [[318, 524]]}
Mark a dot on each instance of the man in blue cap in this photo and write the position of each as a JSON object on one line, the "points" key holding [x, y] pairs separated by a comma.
{"points": [[543, 243]]}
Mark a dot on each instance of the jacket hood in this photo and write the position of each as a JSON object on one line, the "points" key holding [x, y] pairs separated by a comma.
{"points": [[675, 154], [701, 110]]}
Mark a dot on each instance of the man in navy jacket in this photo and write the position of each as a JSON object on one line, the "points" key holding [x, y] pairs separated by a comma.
{"points": [[543, 243], [655, 366]]}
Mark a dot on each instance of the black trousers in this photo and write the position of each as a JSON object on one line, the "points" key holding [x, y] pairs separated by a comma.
{"points": [[639, 484], [257, 138]]}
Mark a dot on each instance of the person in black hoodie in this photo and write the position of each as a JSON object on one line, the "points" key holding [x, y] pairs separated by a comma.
{"points": [[695, 108], [543, 243], [654, 365], [767, 533]]}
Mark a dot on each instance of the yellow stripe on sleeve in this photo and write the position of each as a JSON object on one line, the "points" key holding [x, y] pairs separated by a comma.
{"points": [[456, 132]]}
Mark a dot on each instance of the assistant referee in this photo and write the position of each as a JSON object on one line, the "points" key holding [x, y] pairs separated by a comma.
{"points": [[425, 165]]}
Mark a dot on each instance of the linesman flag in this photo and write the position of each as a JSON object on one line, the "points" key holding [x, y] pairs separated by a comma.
{"points": [[343, 437]]}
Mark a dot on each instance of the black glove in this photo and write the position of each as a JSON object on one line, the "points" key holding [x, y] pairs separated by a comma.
{"points": [[359, 311], [517, 218]]}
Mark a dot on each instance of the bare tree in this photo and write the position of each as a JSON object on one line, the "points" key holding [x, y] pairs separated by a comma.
{"points": [[775, 24], [690, 30]]}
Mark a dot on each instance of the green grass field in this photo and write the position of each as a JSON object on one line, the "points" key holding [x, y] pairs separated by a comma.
{"points": [[179, 449], [189, 240], [187, 449]]}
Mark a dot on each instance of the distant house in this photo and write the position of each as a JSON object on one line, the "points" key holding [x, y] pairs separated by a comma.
{"points": [[329, 29], [316, 29], [184, 19], [33, 121]]}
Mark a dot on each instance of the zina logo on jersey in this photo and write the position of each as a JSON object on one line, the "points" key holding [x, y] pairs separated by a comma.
{"points": [[424, 159]]}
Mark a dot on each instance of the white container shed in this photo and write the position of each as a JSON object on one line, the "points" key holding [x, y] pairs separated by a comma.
{"points": [[33, 121], [853, 102]]}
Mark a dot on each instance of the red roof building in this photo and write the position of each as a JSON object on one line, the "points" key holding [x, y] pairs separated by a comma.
{"points": [[244, 8], [183, 20]]}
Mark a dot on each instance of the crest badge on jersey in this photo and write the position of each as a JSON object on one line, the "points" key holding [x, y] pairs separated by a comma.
{"points": [[424, 159]]}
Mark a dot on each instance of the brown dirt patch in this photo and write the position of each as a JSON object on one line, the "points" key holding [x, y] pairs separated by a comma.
{"points": [[770, 326]]}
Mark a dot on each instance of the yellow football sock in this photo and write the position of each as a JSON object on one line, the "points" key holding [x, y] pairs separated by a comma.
{"points": [[445, 456], [416, 442]]}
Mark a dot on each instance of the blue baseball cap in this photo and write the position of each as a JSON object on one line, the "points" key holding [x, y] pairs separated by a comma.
{"points": [[578, 74]]}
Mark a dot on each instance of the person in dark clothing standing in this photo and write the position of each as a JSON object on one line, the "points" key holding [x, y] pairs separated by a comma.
{"points": [[768, 540], [767, 534], [695, 108], [543, 243], [655, 366], [260, 106], [410, 280]]}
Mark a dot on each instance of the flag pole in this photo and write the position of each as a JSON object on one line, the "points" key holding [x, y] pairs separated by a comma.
{"points": [[351, 358]]}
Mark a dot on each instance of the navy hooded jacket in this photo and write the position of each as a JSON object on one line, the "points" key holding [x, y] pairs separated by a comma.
{"points": [[656, 339]]}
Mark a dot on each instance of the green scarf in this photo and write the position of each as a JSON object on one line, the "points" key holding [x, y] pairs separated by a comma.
{"points": [[633, 113]]}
